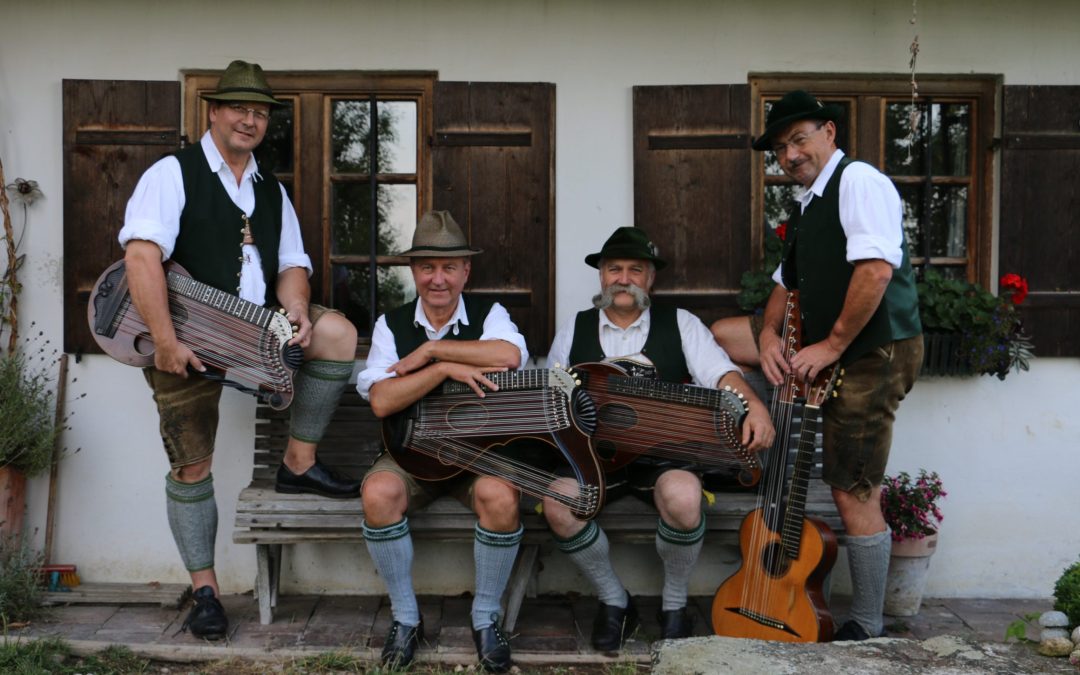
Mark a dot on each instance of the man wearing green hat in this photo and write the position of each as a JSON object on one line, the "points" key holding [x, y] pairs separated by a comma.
{"points": [[845, 252], [674, 345], [211, 209], [442, 334]]}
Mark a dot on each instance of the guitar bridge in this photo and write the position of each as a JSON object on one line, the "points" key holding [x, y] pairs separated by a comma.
{"points": [[763, 620]]}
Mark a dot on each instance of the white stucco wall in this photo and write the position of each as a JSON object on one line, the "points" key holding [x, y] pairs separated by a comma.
{"points": [[1007, 451]]}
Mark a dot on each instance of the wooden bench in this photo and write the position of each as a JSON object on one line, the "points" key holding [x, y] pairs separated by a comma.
{"points": [[272, 521]]}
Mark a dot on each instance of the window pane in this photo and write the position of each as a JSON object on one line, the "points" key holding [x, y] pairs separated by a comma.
{"points": [[349, 136], [352, 218], [779, 203], [275, 153], [351, 292], [947, 230], [397, 137], [397, 218], [950, 128]]}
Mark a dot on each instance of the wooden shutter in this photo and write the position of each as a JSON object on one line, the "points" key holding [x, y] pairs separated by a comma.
{"points": [[113, 130], [493, 165], [692, 190], [1040, 203]]}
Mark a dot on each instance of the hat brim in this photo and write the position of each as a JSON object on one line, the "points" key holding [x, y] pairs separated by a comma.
{"points": [[436, 252], [242, 97], [617, 252], [829, 113]]}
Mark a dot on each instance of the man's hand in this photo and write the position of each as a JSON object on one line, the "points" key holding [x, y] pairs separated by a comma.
{"points": [[175, 358], [808, 362], [298, 317], [471, 375], [758, 433], [417, 359], [773, 359]]}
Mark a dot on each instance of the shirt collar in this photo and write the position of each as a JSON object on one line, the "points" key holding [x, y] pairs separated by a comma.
{"points": [[459, 317], [818, 188], [218, 164], [641, 322]]}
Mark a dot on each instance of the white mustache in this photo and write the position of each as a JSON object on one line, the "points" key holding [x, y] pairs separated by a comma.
{"points": [[604, 299]]}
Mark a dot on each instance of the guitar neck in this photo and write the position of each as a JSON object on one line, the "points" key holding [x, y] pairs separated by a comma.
{"points": [[185, 286], [669, 392], [791, 532], [515, 380]]}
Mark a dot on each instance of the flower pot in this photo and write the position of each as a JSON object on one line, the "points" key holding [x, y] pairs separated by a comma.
{"points": [[909, 567], [12, 503]]}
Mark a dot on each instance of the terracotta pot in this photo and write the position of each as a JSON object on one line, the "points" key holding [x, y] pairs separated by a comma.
{"points": [[12, 503], [909, 568]]}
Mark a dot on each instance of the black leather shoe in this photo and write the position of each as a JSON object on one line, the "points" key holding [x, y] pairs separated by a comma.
{"points": [[613, 625], [318, 480], [401, 644], [493, 649], [675, 623], [853, 631], [206, 620]]}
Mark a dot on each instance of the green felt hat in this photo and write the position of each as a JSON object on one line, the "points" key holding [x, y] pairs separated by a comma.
{"points": [[627, 242], [795, 106], [245, 82]]}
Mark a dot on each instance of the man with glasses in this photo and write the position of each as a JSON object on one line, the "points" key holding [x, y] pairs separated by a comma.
{"points": [[230, 225], [845, 253]]}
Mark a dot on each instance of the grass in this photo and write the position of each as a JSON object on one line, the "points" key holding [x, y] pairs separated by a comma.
{"points": [[54, 657]]}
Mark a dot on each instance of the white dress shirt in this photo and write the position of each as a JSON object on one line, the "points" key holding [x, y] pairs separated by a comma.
{"points": [[153, 214], [871, 212], [383, 354], [705, 359]]}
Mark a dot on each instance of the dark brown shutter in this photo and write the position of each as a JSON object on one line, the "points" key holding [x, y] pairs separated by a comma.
{"points": [[493, 162], [1040, 206], [692, 190], [113, 130]]}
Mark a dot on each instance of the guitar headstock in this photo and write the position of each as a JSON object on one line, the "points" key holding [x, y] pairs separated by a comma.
{"points": [[734, 402], [824, 386], [563, 378]]}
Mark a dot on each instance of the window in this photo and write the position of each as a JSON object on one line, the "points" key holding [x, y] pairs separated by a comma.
{"points": [[937, 152], [350, 149]]}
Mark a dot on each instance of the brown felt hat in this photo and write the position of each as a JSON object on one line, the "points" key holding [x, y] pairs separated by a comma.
{"points": [[795, 106], [245, 82], [439, 236]]}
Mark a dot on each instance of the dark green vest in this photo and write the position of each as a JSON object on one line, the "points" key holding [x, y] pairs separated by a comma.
{"points": [[815, 263], [210, 239], [408, 335], [663, 345]]}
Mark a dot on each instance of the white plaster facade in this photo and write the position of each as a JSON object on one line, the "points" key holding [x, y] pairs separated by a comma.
{"points": [[1007, 451]]}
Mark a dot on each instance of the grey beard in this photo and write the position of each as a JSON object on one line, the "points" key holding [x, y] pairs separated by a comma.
{"points": [[603, 300]]}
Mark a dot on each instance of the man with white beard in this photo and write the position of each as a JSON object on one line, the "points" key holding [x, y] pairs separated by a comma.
{"points": [[672, 344]]}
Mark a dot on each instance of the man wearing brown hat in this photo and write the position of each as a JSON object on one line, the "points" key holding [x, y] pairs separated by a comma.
{"points": [[845, 253], [674, 345], [211, 209], [443, 334]]}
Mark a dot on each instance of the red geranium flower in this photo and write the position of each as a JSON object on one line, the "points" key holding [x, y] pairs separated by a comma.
{"points": [[781, 230], [1018, 284]]}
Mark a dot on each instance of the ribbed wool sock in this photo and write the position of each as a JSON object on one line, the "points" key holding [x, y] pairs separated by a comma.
{"points": [[318, 386], [494, 554], [679, 550], [868, 561], [193, 519], [590, 552], [392, 550]]}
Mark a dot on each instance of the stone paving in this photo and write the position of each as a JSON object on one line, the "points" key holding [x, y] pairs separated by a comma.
{"points": [[551, 629]]}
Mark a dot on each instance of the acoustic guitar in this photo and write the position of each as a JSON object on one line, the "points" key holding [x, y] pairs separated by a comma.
{"points": [[242, 345], [451, 430], [776, 594]]}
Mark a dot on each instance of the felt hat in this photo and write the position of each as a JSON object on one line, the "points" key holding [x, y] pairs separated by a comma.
{"points": [[627, 242], [439, 236], [245, 82], [795, 106]]}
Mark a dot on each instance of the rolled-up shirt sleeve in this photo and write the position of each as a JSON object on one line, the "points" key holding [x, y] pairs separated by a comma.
{"points": [[499, 326], [871, 215], [705, 359], [153, 211], [291, 247], [382, 355]]}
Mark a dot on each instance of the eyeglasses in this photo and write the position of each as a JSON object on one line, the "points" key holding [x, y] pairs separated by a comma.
{"points": [[798, 141], [243, 111]]}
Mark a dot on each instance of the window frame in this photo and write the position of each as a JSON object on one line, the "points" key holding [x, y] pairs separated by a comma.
{"points": [[869, 95]]}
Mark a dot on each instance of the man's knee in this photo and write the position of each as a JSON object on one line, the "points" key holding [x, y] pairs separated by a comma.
{"points": [[192, 473], [493, 499], [334, 336], [678, 498], [384, 497]]}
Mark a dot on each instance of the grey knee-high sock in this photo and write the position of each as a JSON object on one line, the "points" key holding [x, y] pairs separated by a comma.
{"points": [[318, 387], [193, 519], [392, 550], [868, 560], [679, 549], [494, 554], [590, 552]]}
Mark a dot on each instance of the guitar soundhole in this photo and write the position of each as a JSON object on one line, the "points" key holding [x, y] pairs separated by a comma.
{"points": [[773, 560], [143, 345], [605, 450], [468, 417], [617, 416]]}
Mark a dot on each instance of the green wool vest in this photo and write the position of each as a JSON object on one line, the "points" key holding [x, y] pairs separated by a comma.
{"points": [[210, 239], [815, 263], [408, 335], [663, 345]]}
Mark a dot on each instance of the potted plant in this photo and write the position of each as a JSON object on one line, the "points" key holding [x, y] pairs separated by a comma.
{"points": [[970, 331], [910, 508]]}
